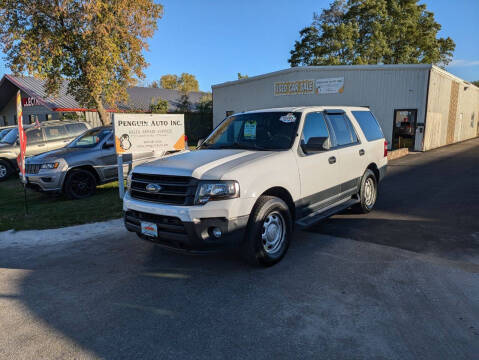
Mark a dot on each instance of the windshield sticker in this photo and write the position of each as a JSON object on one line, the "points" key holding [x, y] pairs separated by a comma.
{"points": [[290, 118], [250, 130]]}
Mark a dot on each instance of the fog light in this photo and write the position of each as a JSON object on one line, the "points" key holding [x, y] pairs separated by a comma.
{"points": [[216, 232]]}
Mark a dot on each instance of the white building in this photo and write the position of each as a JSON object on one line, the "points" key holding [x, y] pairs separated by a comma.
{"points": [[418, 106]]}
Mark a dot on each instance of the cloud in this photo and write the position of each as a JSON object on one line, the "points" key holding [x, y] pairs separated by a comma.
{"points": [[462, 62]]}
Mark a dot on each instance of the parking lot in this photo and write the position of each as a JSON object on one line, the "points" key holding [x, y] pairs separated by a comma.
{"points": [[399, 283]]}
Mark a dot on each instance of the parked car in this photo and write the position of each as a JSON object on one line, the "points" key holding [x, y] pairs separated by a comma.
{"points": [[256, 175], [49, 135], [5, 130], [77, 168]]}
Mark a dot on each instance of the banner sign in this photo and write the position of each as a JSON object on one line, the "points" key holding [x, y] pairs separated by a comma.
{"points": [[22, 137], [139, 133], [299, 87], [309, 87], [330, 86]]}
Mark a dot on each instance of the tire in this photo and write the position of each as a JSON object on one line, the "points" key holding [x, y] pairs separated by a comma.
{"points": [[368, 193], [269, 232], [6, 170], [79, 184]]}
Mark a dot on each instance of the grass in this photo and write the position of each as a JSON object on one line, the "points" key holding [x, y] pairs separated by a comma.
{"points": [[47, 211]]}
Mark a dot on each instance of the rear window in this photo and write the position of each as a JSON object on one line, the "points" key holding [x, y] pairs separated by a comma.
{"points": [[55, 132], [369, 125]]}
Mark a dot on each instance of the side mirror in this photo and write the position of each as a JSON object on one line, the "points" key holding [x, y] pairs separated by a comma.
{"points": [[109, 144], [17, 142], [200, 141], [316, 144]]}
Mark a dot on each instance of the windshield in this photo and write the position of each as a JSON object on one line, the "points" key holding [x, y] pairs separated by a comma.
{"points": [[11, 137], [256, 131], [90, 138], [4, 132]]}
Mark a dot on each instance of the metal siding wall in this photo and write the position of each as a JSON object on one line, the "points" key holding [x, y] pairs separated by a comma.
{"points": [[382, 90], [446, 124]]}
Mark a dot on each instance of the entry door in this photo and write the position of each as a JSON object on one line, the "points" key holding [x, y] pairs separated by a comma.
{"points": [[318, 171], [404, 129]]}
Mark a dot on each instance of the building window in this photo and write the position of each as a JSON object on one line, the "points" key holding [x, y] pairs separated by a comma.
{"points": [[32, 118], [4, 120], [48, 117], [15, 119]]}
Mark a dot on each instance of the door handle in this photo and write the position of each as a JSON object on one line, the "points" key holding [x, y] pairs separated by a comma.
{"points": [[41, 145], [332, 160], [361, 152]]}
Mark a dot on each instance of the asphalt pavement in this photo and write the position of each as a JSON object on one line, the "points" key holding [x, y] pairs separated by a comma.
{"points": [[113, 296]]}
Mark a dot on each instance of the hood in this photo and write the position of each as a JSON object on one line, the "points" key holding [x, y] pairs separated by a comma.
{"points": [[63, 153], [201, 164]]}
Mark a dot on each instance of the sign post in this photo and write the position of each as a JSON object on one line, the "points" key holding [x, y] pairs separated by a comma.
{"points": [[146, 133], [22, 137]]}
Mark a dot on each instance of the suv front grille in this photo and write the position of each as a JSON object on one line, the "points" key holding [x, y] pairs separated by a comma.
{"points": [[32, 168], [175, 190]]}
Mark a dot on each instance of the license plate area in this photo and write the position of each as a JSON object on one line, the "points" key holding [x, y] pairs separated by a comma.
{"points": [[149, 229]]}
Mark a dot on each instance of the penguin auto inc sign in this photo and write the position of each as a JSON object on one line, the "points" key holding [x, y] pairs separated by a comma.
{"points": [[138, 133]]}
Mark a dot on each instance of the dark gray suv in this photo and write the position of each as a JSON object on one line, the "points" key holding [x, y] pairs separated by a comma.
{"points": [[48, 136]]}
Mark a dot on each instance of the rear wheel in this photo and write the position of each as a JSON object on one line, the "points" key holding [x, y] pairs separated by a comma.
{"points": [[5, 170], [80, 184], [368, 193], [269, 232]]}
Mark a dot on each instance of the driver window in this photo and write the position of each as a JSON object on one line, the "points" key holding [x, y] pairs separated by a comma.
{"points": [[314, 126]]}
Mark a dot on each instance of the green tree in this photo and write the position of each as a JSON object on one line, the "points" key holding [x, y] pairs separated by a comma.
{"points": [[205, 105], [476, 83], [372, 32], [241, 76], [184, 83], [97, 45], [185, 104], [159, 106]]}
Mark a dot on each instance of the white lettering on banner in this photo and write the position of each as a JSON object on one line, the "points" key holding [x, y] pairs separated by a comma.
{"points": [[136, 133], [309, 87]]}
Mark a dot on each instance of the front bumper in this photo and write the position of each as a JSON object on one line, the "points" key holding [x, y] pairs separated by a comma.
{"points": [[189, 236], [46, 180]]}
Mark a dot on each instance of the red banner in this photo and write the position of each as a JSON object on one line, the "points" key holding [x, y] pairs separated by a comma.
{"points": [[22, 137]]}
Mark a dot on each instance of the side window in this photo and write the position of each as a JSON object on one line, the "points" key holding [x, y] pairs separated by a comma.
{"points": [[34, 136], [55, 132], [314, 126], [369, 125], [343, 130]]}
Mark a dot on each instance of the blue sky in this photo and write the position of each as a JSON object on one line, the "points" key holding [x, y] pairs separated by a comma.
{"points": [[216, 39]]}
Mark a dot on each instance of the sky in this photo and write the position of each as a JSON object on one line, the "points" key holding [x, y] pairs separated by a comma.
{"points": [[216, 39]]}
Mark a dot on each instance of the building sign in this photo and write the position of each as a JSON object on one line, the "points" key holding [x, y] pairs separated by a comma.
{"points": [[310, 87], [330, 86], [30, 101], [299, 87], [137, 133]]}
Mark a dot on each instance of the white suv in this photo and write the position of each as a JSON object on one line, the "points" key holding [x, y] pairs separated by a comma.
{"points": [[255, 176]]}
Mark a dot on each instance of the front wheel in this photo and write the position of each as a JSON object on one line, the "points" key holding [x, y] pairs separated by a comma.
{"points": [[79, 184], [368, 192], [269, 232]]}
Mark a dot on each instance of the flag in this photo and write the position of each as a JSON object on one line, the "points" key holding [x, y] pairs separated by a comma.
{"points": [[22, 137]]}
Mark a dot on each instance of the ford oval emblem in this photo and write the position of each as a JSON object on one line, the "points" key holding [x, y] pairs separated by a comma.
{"points": [[153, 188]]}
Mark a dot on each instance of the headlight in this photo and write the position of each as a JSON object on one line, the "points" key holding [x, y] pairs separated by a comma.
{"points": [[216, 190], [50, 166], [128, 182]]}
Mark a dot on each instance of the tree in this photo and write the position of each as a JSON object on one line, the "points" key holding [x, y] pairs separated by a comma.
{"points": [[476, 83], [372, 32], [97, 45], [155, 84], [205, 105], [169, 81], [240, 76], [184, 83], [159, 106], [184, 105]]}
